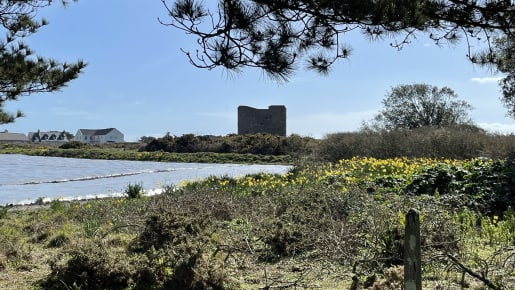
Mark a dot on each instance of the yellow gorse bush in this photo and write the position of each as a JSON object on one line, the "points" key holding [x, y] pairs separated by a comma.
{"points": [[357, 170], [364, 169]]}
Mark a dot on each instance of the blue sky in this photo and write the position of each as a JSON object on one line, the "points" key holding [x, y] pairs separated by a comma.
{"points": [[138, 81]]}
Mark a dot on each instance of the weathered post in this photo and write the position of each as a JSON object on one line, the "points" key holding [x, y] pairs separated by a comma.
{"points": [[412, 253]]}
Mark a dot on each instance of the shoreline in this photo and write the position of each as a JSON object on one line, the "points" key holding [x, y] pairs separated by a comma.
{"points": [[31, 180], [46, 202]]}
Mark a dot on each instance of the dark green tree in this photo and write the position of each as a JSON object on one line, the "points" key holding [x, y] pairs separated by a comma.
{"points": [[420, 105], [21, 72], [274, 35]]}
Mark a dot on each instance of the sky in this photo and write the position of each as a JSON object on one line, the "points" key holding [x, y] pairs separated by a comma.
{"points": [[138, 80]]}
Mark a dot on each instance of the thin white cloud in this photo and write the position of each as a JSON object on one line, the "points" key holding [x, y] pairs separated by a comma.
{"points": [[498, 128], [486, 80]]}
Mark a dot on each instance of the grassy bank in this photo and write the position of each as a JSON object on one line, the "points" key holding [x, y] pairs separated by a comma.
{"points": [[131, 153], [335, 226]]}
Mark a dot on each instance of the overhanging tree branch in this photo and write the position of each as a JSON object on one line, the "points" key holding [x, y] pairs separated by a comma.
{"points": [[21, 72], [274, 35]]}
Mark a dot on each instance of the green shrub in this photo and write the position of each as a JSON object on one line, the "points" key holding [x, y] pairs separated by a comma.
{"points": [[90, 267], [285, 241], [74, 145], [39, 201], [58, 241], [167, 229], [57, 205], [484, 186], [3, 211], [134, 190], [180, 252], [198, 273]]}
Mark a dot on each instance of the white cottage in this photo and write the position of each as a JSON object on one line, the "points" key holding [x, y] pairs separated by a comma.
{"points": [[98, 136]]}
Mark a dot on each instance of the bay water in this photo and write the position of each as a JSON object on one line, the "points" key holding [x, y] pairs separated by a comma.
{"points": [[24, 179]]}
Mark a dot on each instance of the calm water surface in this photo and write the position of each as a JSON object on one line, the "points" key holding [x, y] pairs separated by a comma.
{"points": [[23, 179]]}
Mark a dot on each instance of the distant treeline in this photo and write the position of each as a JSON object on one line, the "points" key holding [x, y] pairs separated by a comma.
{"points": [[460, 142]]}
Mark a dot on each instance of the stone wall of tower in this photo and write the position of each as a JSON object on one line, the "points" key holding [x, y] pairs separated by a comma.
{"points": [[271, 120]]}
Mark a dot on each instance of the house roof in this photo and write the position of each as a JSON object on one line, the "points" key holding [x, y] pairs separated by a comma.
{"points": [[47, 132], [96, 132], [40, 134], [13, 137]]}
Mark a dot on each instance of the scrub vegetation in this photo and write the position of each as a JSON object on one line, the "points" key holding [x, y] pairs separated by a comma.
{"points": [[320, 226]]}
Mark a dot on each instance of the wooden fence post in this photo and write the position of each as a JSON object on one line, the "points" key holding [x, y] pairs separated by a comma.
{"points": [[412, 252]]}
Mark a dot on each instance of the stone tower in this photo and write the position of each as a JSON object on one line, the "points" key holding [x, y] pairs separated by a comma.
{"points": [[271, 120]]}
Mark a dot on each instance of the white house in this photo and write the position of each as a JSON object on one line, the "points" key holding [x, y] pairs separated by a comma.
{"points": [[98, 136], [48, 137]]}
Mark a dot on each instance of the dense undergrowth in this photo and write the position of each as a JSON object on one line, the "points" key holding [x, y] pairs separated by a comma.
{"points": [[321, 226]]}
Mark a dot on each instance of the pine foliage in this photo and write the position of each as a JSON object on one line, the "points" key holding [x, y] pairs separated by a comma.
{"points": [[275, 35], [21, 71]]}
